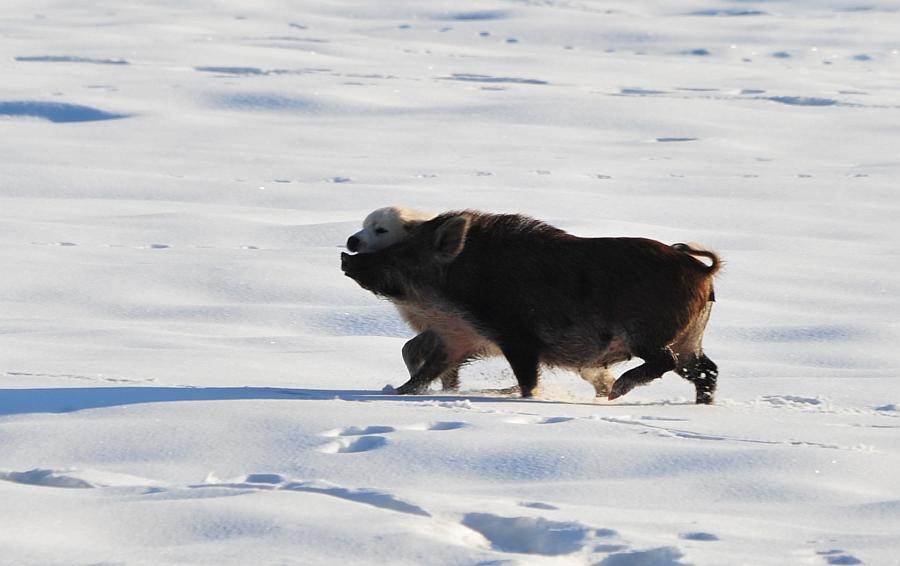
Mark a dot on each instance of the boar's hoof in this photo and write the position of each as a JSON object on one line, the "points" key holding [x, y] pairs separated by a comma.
{"points": [[412, 388], [705, 398], [526, 393], [620, 388]]}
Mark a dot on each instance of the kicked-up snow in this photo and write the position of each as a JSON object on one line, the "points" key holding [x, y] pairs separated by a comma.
{"points": [[186, 377]]}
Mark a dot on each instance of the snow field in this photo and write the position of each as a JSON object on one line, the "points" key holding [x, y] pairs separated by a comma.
{"points": [[187, 377]]}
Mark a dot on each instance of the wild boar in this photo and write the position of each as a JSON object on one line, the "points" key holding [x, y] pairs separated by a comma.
{"points": [[512, 285]]}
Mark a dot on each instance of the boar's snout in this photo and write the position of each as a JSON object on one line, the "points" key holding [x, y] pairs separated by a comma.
{"points": [[355, 267], [371, 272]]}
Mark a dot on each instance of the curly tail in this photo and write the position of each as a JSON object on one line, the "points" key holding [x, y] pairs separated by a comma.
{"points": [[697, 250]]}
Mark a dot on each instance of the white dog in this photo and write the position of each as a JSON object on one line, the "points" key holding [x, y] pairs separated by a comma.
{"points": [[384, 227]]}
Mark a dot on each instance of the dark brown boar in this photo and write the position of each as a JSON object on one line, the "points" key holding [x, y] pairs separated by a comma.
{"points": [[507, 284]]}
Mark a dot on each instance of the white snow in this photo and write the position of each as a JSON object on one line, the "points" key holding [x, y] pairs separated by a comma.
{"points": [[186, 377]]}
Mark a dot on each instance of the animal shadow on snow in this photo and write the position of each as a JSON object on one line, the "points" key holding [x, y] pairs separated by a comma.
{"points": [[72, 399]]}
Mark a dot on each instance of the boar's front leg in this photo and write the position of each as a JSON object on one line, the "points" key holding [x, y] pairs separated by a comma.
{"points": [[425, 359], [416, 350], [420, 349], [523, 358], [653, 367]]}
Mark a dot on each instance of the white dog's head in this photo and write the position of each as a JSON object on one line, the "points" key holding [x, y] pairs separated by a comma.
{"points": [[384, 227]]}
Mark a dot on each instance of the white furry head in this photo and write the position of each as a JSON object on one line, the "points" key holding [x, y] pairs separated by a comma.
{"points": [[384, 227]]}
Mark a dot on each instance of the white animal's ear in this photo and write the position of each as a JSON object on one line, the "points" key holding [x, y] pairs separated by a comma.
{"points": [[450, 237]]}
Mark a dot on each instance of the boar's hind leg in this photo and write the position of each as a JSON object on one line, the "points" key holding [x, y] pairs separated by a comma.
{"points": [[426, 359], [653, 367], [693, 365], [703, 373], [601, 378]]}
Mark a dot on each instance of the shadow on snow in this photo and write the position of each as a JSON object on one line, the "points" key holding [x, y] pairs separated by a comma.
{"points": [[72, 399], [57, 112]]}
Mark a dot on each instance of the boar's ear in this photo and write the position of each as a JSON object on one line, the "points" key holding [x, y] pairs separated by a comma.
{"points": [[450, 237]]}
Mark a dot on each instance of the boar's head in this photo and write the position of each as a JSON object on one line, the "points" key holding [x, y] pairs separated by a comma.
{"points": [[412, 265]]}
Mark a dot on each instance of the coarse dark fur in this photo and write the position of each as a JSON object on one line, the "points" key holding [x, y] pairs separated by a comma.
{"points": [[507, 284]]}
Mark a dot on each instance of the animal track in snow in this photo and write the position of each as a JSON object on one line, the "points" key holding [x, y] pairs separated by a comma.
{"points": [[543, 537], [538, 420], [354, 439], [701, 536], [665, 556], [475, 16], [741, 94], [96, 479], [728, 12], [359, 431], [793, 400], [538, 505], [75, 479], [798, 402], [57, 112], [692, 435], [69, 59], [466, 77], [439, 425], [803, 100], [152, 246], [838, 557], [529, 535], [346, 445], [673, 140], [97, 377]]}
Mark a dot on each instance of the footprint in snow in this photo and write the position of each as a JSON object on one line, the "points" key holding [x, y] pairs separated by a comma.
{"points": [[796, 401], [665, 556], [538, 420], [384, 429], [529, 535], [354, 439], [350, 445], [72, 478], [701, 536], [277, 482], [803, 100], [440, 425], [838, 557], [673, 139], [359, 431], [540, 536], [538, 505], [56, 112]]}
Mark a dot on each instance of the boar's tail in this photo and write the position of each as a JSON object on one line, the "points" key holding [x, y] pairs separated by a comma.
{"points": [[698, 251]]}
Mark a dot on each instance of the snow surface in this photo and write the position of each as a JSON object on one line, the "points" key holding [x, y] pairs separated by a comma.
{"points": [[186, 377]]}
